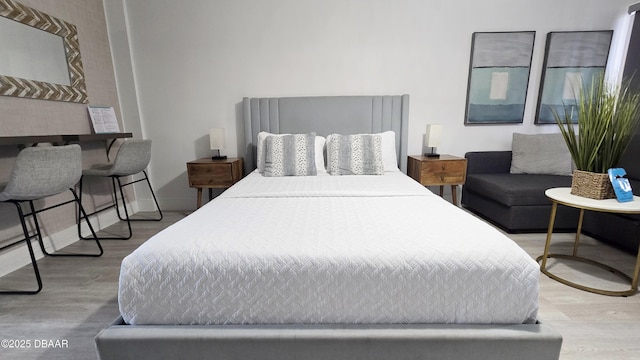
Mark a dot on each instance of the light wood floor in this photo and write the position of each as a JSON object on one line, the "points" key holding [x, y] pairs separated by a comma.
{"points": [[80, 298]]}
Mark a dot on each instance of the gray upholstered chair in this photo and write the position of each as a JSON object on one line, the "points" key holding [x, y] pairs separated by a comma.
{"points": [[40, 172], [132, 158]]}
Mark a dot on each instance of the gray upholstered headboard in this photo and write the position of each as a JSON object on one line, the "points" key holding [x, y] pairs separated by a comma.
{"points": [[326, 115]]}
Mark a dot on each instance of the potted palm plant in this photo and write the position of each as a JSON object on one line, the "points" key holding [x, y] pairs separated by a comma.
{"points": [[607, 118]]}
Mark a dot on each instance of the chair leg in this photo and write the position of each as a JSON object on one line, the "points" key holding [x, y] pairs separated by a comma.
{"points": [[115, 204], [126, 218], [86, 217], [153, 194], [79, 213], [118, 188], [31, 255], [38, 234]]}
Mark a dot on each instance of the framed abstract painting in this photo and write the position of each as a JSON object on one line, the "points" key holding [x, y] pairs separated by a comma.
{"points": [[572, 61], [498, 77]]}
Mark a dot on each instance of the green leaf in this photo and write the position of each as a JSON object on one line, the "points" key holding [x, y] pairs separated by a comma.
{"points": [[607, 118]]}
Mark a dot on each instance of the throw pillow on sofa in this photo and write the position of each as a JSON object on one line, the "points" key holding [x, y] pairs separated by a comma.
{"points": [[540, 154]]}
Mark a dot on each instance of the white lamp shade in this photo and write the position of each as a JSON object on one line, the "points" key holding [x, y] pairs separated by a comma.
{"points": [[216, 139], [433, 135]]}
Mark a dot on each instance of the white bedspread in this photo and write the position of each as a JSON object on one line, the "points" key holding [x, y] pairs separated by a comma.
{"points": [[327, 249]]}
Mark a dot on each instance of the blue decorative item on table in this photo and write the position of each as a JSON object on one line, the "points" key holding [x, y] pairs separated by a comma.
{"points": [[621, 185]]}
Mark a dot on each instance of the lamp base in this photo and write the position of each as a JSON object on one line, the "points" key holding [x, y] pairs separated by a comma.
{"points": [[433, 153], [219, 157]]}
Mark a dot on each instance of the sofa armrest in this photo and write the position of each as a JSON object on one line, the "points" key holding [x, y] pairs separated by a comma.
{"points": [[488, 162]]}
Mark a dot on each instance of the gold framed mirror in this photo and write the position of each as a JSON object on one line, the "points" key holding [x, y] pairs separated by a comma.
{"points": [[29, 83]]}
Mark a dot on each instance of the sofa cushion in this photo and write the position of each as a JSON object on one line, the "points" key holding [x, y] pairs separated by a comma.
{"points": [[540, 154], [488, 162], [515, 189]]}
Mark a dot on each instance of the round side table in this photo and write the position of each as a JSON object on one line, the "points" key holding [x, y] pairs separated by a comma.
{"points": [[563, 196]]}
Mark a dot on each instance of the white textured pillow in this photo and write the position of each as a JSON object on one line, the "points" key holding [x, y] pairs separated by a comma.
{"points": [[355, 154], [540, 154], [290, 155], [389, 155], [319, 151]]}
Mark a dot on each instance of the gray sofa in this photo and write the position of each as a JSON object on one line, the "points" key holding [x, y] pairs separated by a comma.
{"points": [[620, 230], [516, 202]]}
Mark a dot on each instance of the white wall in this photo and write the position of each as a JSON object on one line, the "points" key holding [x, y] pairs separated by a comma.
{"points": [[193, 61]]}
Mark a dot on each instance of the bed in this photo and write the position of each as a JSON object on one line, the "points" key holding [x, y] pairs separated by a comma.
{"points": [[328, 267]]}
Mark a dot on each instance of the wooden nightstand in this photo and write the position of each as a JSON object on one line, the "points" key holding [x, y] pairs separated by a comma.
{"points": [[438, 171], [213, 174]]}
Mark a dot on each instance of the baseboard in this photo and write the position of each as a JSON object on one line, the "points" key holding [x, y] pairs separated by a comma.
{"points": [[18, 256], [146, 205], [173, 204]]}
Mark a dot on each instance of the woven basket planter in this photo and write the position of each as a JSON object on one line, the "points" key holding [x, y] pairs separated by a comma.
{"points": [[591, 185]]}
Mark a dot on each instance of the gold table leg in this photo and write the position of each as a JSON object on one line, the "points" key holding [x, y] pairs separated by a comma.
{"points": [[636, 273], [543, 259], [576, 244], [552, 220]]}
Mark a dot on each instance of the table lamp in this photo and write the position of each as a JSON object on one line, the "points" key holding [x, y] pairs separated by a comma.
{"points": [[432, 139], [216, 142]]}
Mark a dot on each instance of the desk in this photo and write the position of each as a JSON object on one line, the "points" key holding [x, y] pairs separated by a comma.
{"points": [[563, 196], [59, 139], [32, 140]]}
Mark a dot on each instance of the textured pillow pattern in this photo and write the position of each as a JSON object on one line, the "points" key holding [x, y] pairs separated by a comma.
{"points": [[540, 154], [355, 154], [319, 149], [290, 155], [389, 157]]}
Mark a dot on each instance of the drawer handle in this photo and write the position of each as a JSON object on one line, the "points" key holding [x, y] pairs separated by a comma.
{"points": [[444, 167]]}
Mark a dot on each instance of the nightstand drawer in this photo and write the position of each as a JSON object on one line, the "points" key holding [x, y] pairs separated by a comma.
{"points": [[443, 172], [210, 175], [444, 166], [441, 179], [207, 173], [438, 171]]}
